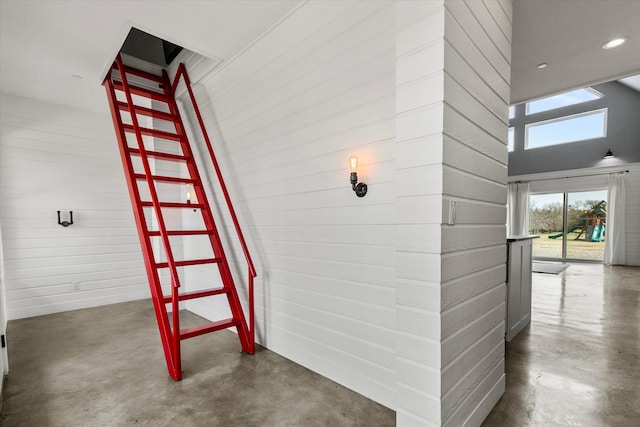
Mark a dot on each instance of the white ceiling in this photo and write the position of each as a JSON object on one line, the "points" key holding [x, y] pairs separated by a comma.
{"points": [[44, 43], [568, 35]]}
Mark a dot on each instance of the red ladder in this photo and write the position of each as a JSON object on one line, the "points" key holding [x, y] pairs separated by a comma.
{"points": [[122, 84]]}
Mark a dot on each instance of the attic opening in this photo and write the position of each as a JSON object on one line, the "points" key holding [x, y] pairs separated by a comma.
{"points": [[150, 53], [149, 48]]}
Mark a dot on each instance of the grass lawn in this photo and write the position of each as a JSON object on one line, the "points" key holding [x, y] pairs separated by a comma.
{"points": [[576, 249]]}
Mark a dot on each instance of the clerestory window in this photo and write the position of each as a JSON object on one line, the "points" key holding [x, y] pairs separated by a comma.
{"points": [[573, 97], [561, 130]]}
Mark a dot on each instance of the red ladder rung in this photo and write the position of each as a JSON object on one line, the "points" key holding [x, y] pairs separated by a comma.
{"points": [[156, 114], [155, 133], [181, 232], [206, 328], [197, 294], [139, 73], [160, 155], [162, 178], [189, 262], [140, 91], [175, 205]]}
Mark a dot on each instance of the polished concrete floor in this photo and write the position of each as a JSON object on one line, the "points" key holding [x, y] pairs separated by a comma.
{"points": [[104, 367], [578, 364]]}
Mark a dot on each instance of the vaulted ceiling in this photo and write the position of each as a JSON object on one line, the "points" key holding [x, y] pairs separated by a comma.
{"points": [[568, 35], [59, 51]]}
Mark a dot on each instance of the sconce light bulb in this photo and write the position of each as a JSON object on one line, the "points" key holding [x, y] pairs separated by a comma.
{"points": [[188, 195], [353, 163]]}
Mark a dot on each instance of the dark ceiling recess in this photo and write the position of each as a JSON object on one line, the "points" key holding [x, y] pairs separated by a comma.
{"points": [[170, 51], [150, 48]]}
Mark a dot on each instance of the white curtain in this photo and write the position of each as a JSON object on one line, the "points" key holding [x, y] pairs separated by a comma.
{"points": [[614, 243], [518, 209]]}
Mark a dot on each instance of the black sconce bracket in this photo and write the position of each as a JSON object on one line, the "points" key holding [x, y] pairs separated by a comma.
{"points": [[360, 188], [66, 223]]}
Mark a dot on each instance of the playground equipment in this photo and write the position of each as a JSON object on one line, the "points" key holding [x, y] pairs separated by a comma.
{"points": [[592, 225], [598, 233]]}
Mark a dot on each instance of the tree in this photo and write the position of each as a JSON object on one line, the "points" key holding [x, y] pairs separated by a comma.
{"points": [[583, 209], [547, 219]]}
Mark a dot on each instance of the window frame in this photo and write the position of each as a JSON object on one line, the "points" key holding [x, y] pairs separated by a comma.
{"points": [[511, 139], [598, 94], [527, 126]]}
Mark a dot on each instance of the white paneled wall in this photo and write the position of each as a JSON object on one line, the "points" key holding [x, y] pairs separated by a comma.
{"points": [[285, 117], [632, 220], [419, 142], [453, 68], [4, 362], [380, 293], [398, 295], [477, 74], [58, 158]]}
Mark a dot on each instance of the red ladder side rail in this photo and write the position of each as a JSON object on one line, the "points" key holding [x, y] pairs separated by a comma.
{"points": [[182, 72], [143, 232], [175, 281], [207, 215]]}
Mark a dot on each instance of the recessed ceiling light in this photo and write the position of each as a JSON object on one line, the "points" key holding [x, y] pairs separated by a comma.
{"points": [[542, 65], [613, 43]]}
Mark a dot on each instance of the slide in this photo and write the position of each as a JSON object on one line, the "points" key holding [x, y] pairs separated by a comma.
{"points": [[598, 231], [571, 230]]}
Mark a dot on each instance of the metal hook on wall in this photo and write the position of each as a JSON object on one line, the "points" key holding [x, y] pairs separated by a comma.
{"points": [[66, 223]]}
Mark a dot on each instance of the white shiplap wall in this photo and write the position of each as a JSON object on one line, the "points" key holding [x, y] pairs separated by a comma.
{"points": [[379, 293], [477, 75], [632, 220], [419, 143], [4, 362], [453, 90], [58, 158], [375, 293], [285, 117]]}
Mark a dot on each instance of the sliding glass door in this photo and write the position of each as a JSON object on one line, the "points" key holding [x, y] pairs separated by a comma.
{"points": [[546, 219], [571, 226], [587, 215]]}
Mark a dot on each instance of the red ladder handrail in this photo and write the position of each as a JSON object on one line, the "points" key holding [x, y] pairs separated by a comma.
{"points": [[175, 281], [182, 72]]}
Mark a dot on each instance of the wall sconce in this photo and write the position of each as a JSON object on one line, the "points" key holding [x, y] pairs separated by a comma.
{"points": [[609, 155], [66, 223], [190, 195], [359, 187]]}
